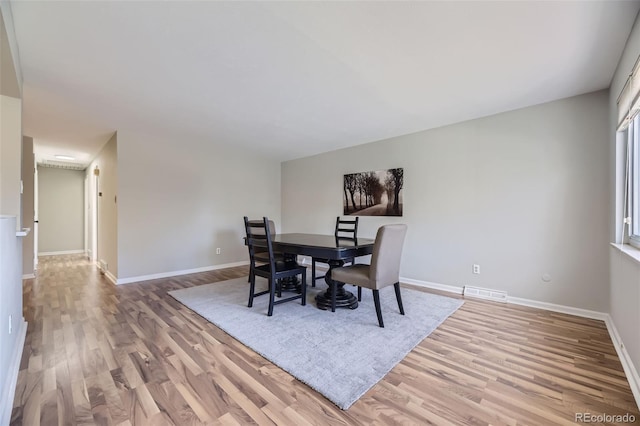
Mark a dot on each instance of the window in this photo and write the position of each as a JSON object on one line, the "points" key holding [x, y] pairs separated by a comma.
{"points": [[631, 209], [629, 130]]}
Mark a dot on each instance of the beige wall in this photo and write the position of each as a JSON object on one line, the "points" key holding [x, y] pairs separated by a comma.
{"points": [[107, 230], [180, 199], [10, 155], [523, 194], [625, 271], [10, 119], [60, 210], [28, 175]]}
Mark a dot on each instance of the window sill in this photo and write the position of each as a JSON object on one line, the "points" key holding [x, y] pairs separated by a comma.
{"points": [[629, 250]]}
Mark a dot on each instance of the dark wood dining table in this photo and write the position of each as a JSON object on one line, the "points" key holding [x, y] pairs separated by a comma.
{"points": [[330, 248]]}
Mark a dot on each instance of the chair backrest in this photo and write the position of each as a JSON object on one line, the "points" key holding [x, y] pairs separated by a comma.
{"points": [[258, 239], [387, 253], [347, 229], [258, 229]]}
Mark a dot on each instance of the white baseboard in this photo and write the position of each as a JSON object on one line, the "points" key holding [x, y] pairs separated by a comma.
{"points": [[585, 313], [435, 286], [111, 277], [28, 276], [176, 273], [9, 387], [57, 253], [629, 369], [516, 300]]}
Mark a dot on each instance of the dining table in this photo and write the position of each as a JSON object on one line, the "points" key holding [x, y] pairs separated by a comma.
{"points": [[335, 250]]}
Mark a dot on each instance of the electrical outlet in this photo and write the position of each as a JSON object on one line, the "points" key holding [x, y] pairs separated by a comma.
{"points": [[476, 268], [218, 250], [10, 324]]}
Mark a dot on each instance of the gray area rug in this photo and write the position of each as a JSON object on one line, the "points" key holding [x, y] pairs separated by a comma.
{"points": [[340, 354]]}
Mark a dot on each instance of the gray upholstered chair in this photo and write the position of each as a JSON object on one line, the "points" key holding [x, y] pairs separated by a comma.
{"points": [[384, 269]]}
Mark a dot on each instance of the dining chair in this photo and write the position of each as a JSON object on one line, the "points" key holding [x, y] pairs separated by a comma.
{"points": [[346, 230], [383, 271], [258, 237], [261, 254]]}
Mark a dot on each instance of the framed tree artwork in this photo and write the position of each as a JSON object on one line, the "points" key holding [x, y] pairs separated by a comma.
{"points": [[373, 193]]}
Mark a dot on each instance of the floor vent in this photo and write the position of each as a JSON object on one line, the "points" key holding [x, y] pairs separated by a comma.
{"points": [[485, 293]]}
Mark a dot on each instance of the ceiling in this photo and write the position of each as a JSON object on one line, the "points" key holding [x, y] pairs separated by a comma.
{"points": [[293, 79]]}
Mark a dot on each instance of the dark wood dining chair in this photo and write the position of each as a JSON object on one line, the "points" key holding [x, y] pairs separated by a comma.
{"points": [[260, 254], [346, 230], [258, 237], [383, 271]]}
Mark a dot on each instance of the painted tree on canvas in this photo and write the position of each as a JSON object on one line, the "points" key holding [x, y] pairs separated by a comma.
{"points": [[398, 179], [350, 184]]}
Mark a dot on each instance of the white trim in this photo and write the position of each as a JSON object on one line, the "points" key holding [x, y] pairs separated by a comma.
{"points": [[585, 313], [629, 369], [435, 286], [631, 251], [28, 276], [9, 387], [56, 253], [176, 273], [111, 277], [515, 300]]}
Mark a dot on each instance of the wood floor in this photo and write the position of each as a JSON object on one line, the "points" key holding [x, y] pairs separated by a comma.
{"points": [[96, 353]]}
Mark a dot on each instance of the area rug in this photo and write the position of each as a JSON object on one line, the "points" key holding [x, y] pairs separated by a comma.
{"points": [[340, 354]]}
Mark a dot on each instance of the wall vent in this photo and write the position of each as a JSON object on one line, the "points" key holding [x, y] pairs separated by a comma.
{"points": [[485, 293]]}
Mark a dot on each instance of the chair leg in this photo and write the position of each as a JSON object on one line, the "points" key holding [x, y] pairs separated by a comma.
{"points": [[333, 295], [272, 295], [313, 272], [376, 300], [252, 287], [359, 294], [304, 287], [396, 286]]}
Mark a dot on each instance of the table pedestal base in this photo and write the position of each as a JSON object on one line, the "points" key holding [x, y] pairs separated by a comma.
{"points": [[344, 299], [290, 284]]}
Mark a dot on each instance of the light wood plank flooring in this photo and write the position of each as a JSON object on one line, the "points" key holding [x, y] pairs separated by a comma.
{"points": [[96, 353]]}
